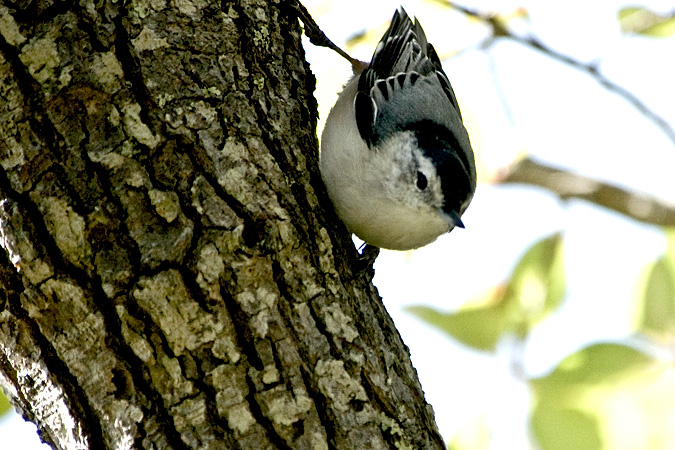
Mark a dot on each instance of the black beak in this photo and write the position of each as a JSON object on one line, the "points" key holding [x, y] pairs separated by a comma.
{"points": [[454, 219]]}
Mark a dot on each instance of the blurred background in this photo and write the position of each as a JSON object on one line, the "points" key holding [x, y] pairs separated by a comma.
{"points": [[549, 322]]}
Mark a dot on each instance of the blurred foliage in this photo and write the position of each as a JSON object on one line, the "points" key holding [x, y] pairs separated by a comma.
{"points": [[604, 396], [639, 20], [5, 407], [535, 289], [601, 395], [655, 305]]}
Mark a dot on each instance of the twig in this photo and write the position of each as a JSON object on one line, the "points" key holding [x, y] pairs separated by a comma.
{"points": [[500, 30], [319, 38], [642, 207]]}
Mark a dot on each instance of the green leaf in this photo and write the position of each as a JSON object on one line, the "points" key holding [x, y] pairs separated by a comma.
{"points": [[645, 22], [656, 314], [564, 429], [479, 328], [5, 406], [597, 363], [605, 395], [627, 12], [670, 239], [537, 285], [535, 289], [655, 304], [661, 29]]}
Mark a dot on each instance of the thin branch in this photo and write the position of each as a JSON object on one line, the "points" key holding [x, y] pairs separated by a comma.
{"points": [[566, 185], [500, 30], [318, 37]]}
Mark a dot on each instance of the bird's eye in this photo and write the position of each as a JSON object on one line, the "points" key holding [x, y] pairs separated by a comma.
{"points": [[421, 181]]}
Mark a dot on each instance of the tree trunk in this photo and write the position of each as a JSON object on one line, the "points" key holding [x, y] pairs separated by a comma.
{"points": [[173, 273]]}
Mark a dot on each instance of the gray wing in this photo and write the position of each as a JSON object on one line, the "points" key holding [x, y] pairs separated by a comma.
{"points": [[404, 84]]}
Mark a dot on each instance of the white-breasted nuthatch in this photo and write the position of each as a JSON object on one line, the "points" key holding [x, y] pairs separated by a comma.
{"points": [[395, 156]]}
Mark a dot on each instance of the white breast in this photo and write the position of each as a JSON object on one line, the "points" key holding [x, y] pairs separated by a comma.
{"points": [[354, 180]]}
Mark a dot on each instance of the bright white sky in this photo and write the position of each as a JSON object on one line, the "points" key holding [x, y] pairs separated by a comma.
{"points": [[559, 116]]}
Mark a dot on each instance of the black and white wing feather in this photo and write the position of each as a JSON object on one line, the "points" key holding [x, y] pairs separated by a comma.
{"points": [[404, 89], [404, 76]]}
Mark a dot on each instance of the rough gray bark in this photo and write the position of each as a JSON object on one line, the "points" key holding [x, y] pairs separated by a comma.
{"points": [[172, 274]]}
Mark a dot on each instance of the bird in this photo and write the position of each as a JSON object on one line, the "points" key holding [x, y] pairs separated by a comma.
{"points": [[395, 156]]}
